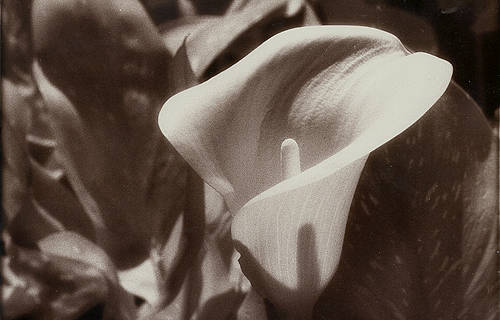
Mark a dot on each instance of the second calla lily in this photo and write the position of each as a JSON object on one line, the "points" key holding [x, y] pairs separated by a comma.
{"points": [[340, 92]]}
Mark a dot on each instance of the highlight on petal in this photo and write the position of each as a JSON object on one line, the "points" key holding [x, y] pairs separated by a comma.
{"points": [[322, 86], [340, 92]]}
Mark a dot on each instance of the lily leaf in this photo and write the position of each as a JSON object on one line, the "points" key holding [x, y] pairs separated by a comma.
{"points": [[103, 78], [208, 36], [181, 74], [51, 207], [15, 125], [54, 284], [22, 219], [340, 92], [51, 193], [414, 31], [73, 246], [214, 287], [102, 90], [420, 242]]}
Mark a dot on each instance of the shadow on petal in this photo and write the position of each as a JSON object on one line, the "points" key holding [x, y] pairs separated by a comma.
{"points": [[307, 275], [341, 92]]}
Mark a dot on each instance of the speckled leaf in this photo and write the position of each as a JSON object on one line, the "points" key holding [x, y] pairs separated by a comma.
{"points": [[340, 92], [421, 237]]}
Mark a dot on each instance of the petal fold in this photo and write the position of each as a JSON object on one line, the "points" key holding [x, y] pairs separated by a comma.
{"points": [[340, 92], [327, 87]]}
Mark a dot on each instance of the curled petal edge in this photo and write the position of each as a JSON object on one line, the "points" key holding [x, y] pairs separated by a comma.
{"points": [[420, 80]]}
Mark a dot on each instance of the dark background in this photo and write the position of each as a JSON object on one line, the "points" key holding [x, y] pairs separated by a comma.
{"points": [[466, 32]]}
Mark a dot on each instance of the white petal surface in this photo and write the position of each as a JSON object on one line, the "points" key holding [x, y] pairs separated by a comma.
{"points": [[322, 86], [340, 92]]}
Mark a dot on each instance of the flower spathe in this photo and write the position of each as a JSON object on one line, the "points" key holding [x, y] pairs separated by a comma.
{"points": [[340, 92]]}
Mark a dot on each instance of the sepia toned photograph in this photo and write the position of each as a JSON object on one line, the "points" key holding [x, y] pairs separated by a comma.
{"points": [[250, 160]]}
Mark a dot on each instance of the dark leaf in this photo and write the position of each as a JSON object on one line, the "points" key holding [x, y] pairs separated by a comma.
{"points": [[102, 89], [415, 32], [208, 37], [181, 75], [43, 285], [252, 307], [16, 107], [73, 247], [420, 242]]}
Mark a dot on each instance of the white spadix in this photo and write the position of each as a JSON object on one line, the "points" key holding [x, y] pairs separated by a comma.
{"points": [[290, 159]]}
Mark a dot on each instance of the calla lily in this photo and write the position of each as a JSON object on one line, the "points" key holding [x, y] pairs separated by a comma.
{"points": [[340, 92]]}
